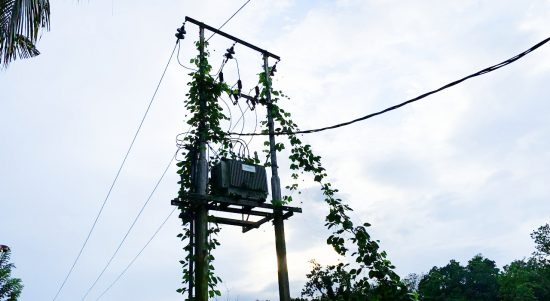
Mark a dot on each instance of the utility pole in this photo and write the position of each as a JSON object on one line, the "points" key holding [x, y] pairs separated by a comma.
{"points": [[202, 203], [278, 220], [201, 217]]}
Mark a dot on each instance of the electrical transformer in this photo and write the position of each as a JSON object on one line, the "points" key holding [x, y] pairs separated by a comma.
{"points": [[236, 178]]}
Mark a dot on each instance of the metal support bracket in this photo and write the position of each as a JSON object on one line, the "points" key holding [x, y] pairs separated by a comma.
{"points": [[235, 205]]}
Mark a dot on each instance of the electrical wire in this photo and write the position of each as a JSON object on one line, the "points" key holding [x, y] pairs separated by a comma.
{"points": [[255, 126], [242, 116], [118, 173], [238, 70], [229, 110], [242, 128], [237, 122], [179, 143], [481, 72], [178, 56], [116, 177], [243, 147], [136, 257], [215, 152], [229, 19], [195, 70], [131, 227], [224, 61]]}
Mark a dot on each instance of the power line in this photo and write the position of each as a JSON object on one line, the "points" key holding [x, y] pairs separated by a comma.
{"points": [[228, 110], [143, 207], [238, 10], [136, 257], [179, 62], [255, 125], [116, 177], [134, 222], [131, 227], [481, 72]]}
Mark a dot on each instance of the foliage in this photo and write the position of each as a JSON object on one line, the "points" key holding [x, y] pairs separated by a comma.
{"points": [[10, 288], [334, 282], [20, 23], [529, 279], [411, 282], [525, 280], [372, 270], [372, 265], [521, 280], [205, 125], [476, 281], [446, 283], [541, 236], [481, 279]]}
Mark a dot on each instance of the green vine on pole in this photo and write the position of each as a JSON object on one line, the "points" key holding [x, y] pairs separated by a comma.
{"points": [[202, 85], [347, 239]]}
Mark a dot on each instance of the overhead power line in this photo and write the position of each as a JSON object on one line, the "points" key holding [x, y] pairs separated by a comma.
{"points": [[238, 10], [131, 227], [143, 207], [136, 257], [116, 178], [481, 72]]}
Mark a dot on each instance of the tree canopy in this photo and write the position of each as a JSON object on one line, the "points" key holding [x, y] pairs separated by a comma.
{"points": [[476, 281], [521, 280], [480, 280], [10, 288]]}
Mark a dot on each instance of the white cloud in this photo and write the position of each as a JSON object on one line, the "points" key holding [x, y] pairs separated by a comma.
{"points": [[458, 173]]}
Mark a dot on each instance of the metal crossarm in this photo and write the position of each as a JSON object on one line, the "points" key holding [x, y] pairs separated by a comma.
{"points": [[221, 33], [241, 206]]}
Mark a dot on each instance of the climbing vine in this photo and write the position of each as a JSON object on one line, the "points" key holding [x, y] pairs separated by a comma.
{"points": [[347, 239], [204, 124]]}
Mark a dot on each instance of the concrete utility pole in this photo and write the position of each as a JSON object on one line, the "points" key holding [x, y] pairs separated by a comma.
{"points": [[278, 220], [201, 217], [244, 205]]}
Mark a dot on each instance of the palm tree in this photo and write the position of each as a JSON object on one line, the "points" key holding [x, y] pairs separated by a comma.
{"points": [[20, 23]]}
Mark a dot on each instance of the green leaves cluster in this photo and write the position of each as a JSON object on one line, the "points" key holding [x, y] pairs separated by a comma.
{"points": [[10, 288], [371, 269], [20, 23], [336, 283], [205, 126], [347, 239], [521, 280], [541, 236], [481, 279]]}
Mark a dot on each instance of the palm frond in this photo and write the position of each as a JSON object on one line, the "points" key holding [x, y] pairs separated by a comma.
{"points": [[20, 23], [22, 48]]}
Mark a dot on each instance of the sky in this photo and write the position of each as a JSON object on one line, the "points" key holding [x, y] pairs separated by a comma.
{"points": [[459, 173]]}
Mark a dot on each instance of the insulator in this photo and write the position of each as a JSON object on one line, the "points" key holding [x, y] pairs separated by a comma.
{"points": [[181, 32], [221, 77], [253, 102], [231, 50], [257, 89], [239, 84], [273, 70]]}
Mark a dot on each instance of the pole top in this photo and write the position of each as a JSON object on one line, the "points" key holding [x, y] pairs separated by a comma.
{"points": [[235, 39]]}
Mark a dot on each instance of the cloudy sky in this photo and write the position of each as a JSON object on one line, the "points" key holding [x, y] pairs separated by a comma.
{"points": [[459, 173]]}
